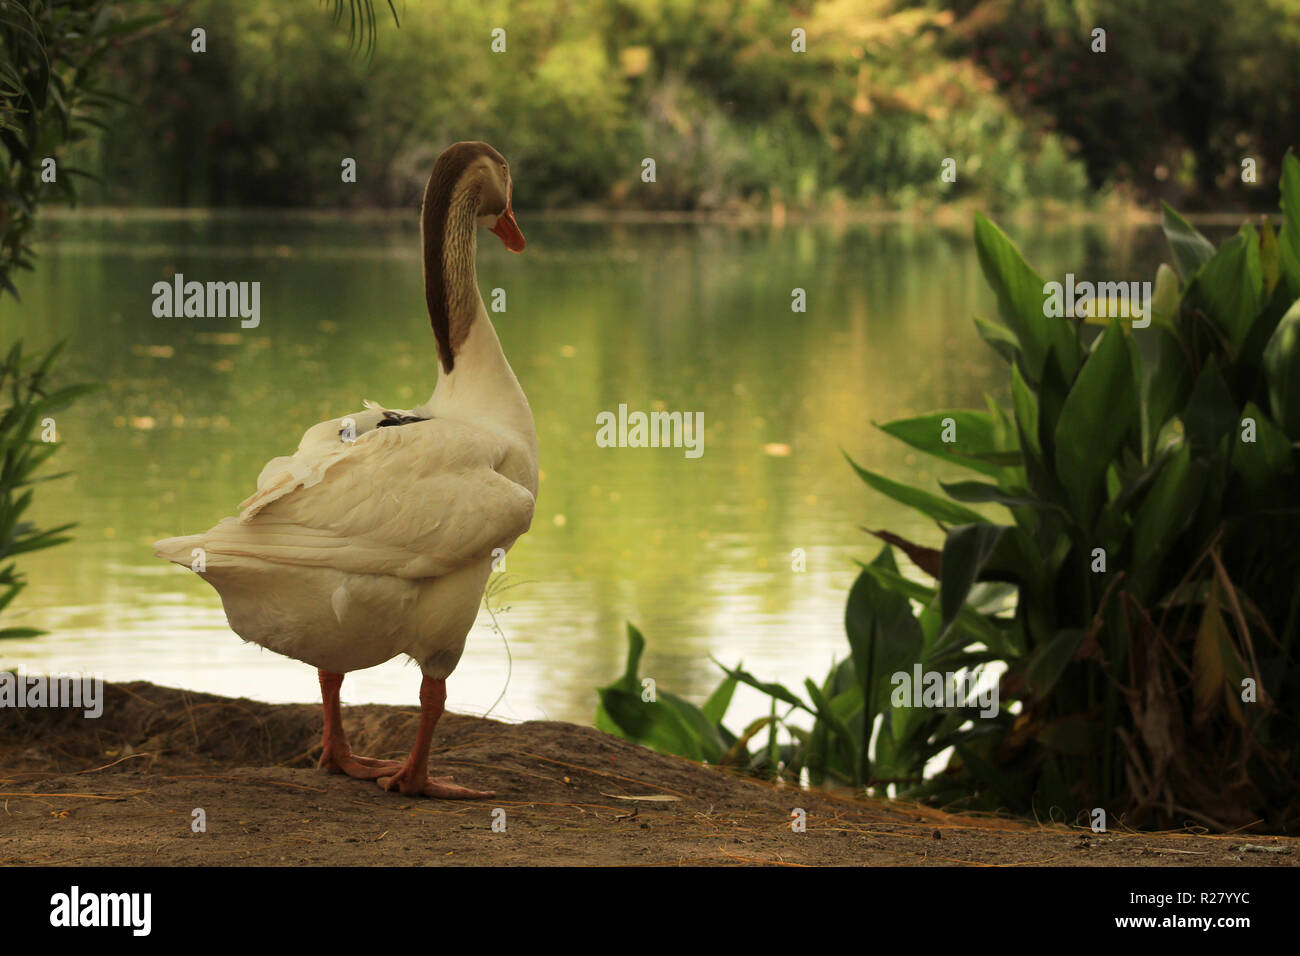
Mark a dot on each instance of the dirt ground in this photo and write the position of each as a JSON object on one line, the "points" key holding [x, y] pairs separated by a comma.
{"points": [[123, 789]]}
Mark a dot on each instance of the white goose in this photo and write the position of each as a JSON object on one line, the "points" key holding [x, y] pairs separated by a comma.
{"points": [[372, 541]]}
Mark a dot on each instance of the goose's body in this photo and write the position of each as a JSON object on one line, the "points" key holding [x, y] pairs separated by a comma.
{"points": [[377, 536]]}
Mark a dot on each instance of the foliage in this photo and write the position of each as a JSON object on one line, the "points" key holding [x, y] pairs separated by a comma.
{"points": [[1146, 582], [731, 114], [1209, 82], [25, 383], [51, 92], [631, 709]]}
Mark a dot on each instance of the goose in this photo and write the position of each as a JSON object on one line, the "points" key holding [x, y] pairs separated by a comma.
{"points": [[376, 538]]}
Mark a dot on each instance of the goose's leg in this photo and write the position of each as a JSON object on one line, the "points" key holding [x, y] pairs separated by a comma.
{"points": [[413, 779], [336, 756]]}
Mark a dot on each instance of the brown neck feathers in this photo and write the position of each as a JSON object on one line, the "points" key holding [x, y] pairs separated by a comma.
{"points": [[447, 233]]}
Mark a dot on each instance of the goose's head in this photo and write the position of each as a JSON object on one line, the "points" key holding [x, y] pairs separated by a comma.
{"points": [[473, 169], [470, 186]]}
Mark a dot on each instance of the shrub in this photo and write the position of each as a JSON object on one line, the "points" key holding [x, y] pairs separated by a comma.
{"points": [[1143, 601], [25, 383]]}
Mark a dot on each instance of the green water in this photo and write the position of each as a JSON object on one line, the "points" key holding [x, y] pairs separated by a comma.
{"points": [[696, 552]]}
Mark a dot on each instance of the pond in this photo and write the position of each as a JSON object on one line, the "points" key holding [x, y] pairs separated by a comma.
{"points": [[700, 552]]}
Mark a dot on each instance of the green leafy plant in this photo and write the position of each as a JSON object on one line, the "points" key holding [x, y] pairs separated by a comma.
{"points": [[1140, 594], [25, 383], [866, 115], [51, 94], [670, 724], [631, 709]]}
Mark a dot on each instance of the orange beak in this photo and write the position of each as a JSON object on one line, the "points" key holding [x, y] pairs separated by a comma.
{"points": [[508, 230], [506, 226]]}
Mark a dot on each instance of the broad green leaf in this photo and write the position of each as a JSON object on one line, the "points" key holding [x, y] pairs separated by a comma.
{"points": [[1282, 370], [1021, 302], [851, 749], [715, 708], [1166, 383], [940, 509], [1051, 392], [1166, 295], [652, 724], [1190, 249], [1166, 510], [627, 682], [704, 732], [1211, 411], [973, 434], [980, 491], [1231, 287], [964, 554], [1268, 257], [883, 633], [635, 648], [667, 724], [973, 625], [1262, 462], [999, 338], [1098, 412], [1288, 246], [1026, 406]]}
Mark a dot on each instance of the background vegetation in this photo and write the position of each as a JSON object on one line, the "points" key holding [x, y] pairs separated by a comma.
{"points": [[27, 440], [711, 90]]}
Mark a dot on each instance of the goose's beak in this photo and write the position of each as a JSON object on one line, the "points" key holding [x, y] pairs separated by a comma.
{"points": [[508, 230]]}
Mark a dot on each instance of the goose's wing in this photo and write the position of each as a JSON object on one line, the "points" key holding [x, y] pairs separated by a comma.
{"points": [[321, 445], [416, 501]]}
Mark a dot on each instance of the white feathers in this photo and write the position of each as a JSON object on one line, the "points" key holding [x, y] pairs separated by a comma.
{"points": [[339, 602], [370, 542]]}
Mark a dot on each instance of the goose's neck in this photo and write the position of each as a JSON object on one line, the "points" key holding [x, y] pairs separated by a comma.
{"points": [[475, 382]]}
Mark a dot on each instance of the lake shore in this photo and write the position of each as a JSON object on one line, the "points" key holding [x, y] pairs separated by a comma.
{"points": [[956, 216], [124, 790]]}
